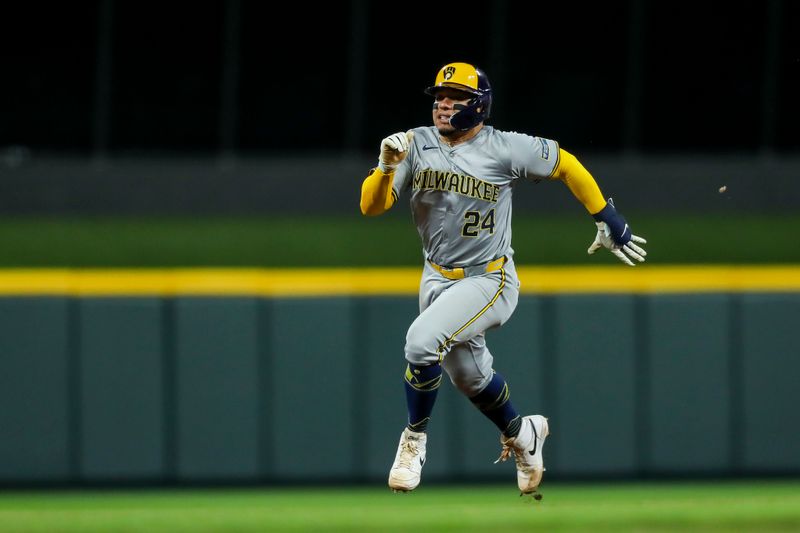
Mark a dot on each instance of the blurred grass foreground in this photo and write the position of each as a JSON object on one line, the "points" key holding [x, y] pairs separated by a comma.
{"points": [[390, 240], [732, 506]]}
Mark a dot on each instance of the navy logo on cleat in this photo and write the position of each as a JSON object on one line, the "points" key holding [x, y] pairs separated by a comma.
{"points": [[535, 439]]}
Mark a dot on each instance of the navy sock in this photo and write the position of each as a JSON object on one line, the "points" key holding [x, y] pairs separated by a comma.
{"points": [[493, 401], [422, 384]]}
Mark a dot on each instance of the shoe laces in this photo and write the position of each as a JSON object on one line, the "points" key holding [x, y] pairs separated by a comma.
{"points": [[409, 452], [508, 449], [505, 453]]}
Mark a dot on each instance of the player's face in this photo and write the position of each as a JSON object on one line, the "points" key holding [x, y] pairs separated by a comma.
{"points": [[443, 108]]}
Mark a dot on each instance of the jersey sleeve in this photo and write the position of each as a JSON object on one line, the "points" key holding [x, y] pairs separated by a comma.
{"points": [[532, 158]]}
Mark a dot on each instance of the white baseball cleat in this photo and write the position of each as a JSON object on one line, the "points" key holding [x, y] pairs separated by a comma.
{"points": [[527, 448], [407, 468]]}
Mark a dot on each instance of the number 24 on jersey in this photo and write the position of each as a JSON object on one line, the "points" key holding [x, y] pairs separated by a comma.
{"points": [[474, 223]]}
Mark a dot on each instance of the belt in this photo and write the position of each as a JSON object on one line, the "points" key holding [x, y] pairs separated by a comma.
{"points": [[465, 272]]}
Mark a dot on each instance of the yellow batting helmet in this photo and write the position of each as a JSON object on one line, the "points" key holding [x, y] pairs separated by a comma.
{"points": [[470, 79]]}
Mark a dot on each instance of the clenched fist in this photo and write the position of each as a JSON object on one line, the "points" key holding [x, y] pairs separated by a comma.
{"points": [[394, 149]]}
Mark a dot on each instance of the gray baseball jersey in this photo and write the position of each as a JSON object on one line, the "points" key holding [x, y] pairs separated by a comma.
{"points": [[461, 203], [461, 195]]}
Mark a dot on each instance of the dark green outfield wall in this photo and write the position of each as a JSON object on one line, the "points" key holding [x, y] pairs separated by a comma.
{"points": [[250, 389]]}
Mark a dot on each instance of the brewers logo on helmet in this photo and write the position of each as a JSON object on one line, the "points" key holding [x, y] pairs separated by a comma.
{"points": [[472, 80]]}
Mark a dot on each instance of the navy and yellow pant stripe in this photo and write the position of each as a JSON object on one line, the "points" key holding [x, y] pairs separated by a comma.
{"points": [[444, 346]]}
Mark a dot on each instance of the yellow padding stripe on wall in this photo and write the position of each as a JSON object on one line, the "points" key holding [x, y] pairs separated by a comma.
{"points": [[310, 282]]}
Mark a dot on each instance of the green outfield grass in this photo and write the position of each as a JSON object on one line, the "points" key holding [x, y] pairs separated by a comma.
{"points": [[734, 506], [359, 241]]}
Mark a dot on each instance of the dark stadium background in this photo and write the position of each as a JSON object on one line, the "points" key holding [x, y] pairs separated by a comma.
{"points": [[112, 78], [664, 101]]}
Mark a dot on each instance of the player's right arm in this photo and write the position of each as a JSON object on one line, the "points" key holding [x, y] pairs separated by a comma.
{"points": [[376, 192], [377, 195]]}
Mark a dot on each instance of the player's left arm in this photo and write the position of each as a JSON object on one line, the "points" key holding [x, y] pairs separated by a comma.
{"points": [[613, 231]]}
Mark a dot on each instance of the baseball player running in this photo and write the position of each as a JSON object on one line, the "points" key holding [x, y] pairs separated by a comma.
{"points": [[461, 174]]}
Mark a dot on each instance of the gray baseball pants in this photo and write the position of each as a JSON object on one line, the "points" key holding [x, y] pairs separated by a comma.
{"points": [[454, 316]]}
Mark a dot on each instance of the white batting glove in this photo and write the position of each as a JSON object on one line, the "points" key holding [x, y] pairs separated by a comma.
{"points": [[604, 240], [394, 149]]}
